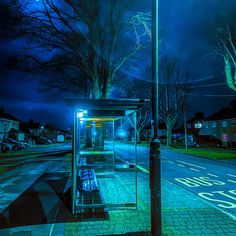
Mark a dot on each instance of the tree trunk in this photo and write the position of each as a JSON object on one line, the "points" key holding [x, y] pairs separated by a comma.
{"points": [[99, 139], [169, 135], [138, 136], [96, 89], [88, 143], [107, 89]]}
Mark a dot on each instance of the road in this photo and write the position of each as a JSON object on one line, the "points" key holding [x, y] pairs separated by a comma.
{"points": [[213, 181], [24, 180]]}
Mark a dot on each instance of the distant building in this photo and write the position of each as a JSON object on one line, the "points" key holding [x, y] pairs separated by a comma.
{"points": [[222, 125], [8, 123], [146, 133], [35, 129], [51, 132], [195, 124], [32, 128]]}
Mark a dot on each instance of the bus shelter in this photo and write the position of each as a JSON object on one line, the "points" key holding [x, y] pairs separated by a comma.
{"points": [[101, 166]]}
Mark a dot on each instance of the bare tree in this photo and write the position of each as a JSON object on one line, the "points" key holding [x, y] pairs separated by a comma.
{"points": [[227, 49], [172, 93], [78, 44], [137, 88], [143, 117]]}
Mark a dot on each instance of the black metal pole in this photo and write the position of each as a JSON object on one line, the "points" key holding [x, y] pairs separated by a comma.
{"points": [[155, 161]]}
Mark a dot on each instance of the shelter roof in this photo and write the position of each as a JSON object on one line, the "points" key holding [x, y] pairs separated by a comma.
{"points": [[106, 107]]}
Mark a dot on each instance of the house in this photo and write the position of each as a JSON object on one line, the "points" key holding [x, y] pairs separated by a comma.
{"points": [[32, 128], [222, 125], [51, 132], [193, 126], [195, 123], [8, 124]]}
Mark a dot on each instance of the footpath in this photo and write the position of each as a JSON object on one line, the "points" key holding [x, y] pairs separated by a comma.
{"points": [[183, 213]]}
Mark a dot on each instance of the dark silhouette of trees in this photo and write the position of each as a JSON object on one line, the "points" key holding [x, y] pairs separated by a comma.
{"points": [[79, 46]]}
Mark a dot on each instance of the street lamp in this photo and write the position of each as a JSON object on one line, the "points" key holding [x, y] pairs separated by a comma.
{"points": [[155, 157]]}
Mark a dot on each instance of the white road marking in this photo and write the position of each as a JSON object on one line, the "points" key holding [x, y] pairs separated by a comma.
{"points": [[171, 162], [51, 229], [194, 169], [180, 165], [143, 151], [214, 197], [195, 182], [143, 169], [232, 181], [191, 164], [213, 175], [163, 161], [231, 175]]}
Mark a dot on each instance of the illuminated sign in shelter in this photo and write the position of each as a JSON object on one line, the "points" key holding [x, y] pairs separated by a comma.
{"points": [[101, 165]]}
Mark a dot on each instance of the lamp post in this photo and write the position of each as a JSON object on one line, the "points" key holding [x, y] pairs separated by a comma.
{"points": [[155, 157], [185, 130]]}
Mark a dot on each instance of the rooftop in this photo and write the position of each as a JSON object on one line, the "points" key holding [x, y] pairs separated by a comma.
{"points": [[7, 116], [225, 113]]}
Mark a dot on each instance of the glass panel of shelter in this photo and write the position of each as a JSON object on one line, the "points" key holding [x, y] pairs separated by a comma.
{"points": [[102, 168]]}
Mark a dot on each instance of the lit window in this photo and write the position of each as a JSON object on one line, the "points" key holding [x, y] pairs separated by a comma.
{"points": [[213, 124], [198, 125], [224, 123]]}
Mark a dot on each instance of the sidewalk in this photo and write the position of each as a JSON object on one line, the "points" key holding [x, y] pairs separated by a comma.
{"points": [[183, 213]]}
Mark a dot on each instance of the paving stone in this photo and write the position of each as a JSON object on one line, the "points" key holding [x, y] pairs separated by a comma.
{"points": [[183, 213]]}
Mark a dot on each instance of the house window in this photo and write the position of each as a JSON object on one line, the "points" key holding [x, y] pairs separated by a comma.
{"points": [[189, 126], [206, 125], [233, 123], [224, 123], [213, 124], [198, 125]]}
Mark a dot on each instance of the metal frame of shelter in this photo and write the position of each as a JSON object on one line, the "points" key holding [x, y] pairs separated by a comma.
{"points": [[103, 110]]}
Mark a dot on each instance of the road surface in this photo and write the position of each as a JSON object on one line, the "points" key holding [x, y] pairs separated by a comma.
{"points": [[213, 181], [28, 184]]}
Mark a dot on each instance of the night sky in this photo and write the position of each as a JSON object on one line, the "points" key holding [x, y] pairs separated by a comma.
{"points": [[187, 28]]}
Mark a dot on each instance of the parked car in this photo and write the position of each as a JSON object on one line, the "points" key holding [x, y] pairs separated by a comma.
{"points": [[207, 141], [46, 140], [68, 137], [21, 144], [42, 140], [4, 147], [15, 144]]}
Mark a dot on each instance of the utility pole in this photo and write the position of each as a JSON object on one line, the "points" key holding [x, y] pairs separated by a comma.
{"points": [[155, 155], [185, 130]]}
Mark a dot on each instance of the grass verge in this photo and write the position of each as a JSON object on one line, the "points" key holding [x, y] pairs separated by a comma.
{"points": [[29, 151], [217, 154], [2, 170]]}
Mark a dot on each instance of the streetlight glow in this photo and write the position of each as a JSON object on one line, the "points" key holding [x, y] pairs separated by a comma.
{"points": [[81, 113]]}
